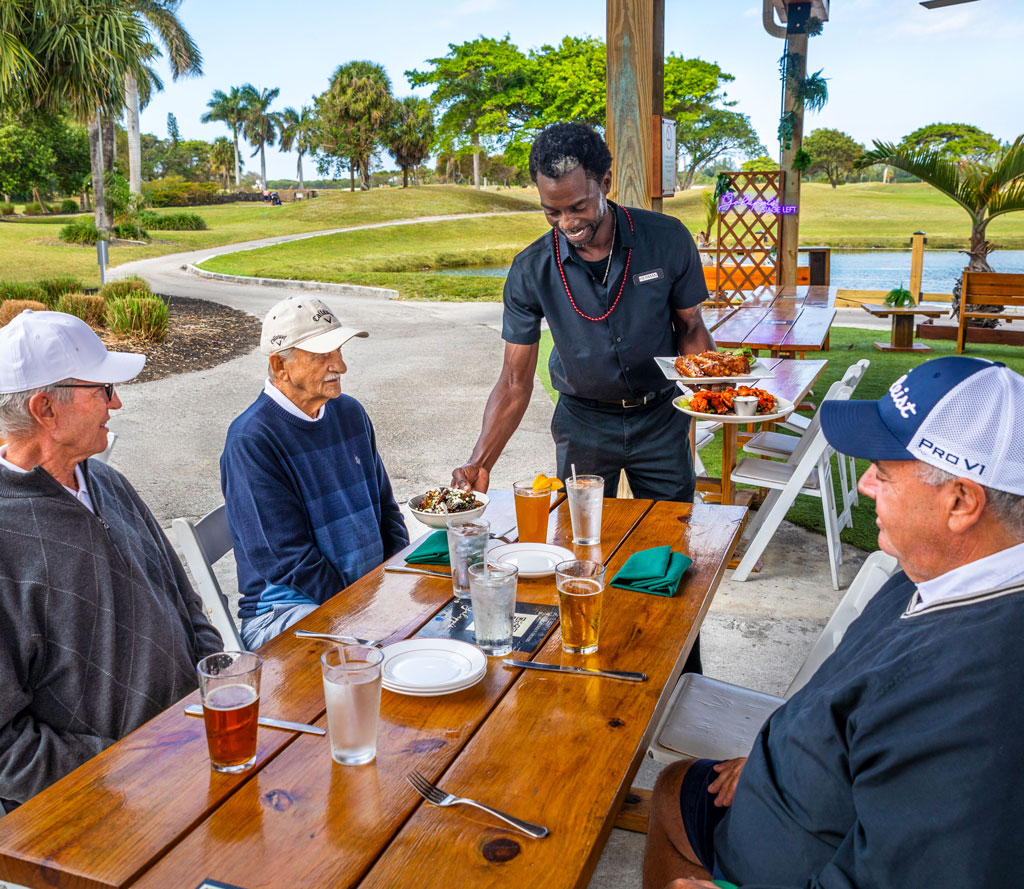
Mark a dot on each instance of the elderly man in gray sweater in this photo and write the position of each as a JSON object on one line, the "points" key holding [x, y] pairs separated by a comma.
{"points": [[100, 629]]}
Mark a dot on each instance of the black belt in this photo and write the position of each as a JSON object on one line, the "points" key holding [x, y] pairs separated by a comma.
{"points": [[648, 398]]}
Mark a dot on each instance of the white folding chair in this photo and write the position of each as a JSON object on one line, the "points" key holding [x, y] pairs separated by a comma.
{"points": [[708, 718], [104, 455], [804, 472], [204, 543], [704, 435]]}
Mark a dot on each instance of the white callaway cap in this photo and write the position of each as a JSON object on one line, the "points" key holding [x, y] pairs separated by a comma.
{"points": [[40, 348], [304, 322]]}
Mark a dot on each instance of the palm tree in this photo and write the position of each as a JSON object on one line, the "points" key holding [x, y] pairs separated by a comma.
{"points": [[261, 125], [229, 108], [297, 132], [411, 135], [222, 156], [158, 16], [985, 191]]}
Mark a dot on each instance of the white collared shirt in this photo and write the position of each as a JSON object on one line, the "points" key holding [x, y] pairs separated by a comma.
{"points": [[284, 401], [81, 495], [994, 571]]}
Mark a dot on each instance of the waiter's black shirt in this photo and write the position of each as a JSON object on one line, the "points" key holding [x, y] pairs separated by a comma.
{"points": [[614, 358]]}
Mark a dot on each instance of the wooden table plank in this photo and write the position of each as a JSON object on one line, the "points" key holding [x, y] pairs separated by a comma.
{"points": [[714, 315], [810, 332], [733, 331], [562, 750], [343, 817]]}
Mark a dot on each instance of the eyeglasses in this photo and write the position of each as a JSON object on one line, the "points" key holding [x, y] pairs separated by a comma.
{"points": [[108, 388]]}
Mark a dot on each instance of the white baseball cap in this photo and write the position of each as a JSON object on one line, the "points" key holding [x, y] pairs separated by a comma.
{"points": [[304, 322], [40, 348]]}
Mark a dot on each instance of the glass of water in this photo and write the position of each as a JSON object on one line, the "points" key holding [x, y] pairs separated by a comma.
{"points": [[467, 543], [352, 693], [493, 591], [586, 501]]}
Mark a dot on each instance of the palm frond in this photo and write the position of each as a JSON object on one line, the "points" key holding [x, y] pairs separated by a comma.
{"points": [[1008, 200], [1011, 164], [929, 166], [182, 52]]}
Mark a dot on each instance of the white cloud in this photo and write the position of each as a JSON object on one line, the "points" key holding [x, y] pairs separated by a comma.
{"points": [[753, 13]]}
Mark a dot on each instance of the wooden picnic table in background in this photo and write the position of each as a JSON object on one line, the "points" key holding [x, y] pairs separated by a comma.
{"points": [[901, 339], [560, 750]]}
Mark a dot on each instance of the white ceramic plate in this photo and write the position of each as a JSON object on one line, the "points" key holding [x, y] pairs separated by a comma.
{"points": [[431, 666], [434, 693], [440, 520], [758, 371], [782, 410], [532, 559]]}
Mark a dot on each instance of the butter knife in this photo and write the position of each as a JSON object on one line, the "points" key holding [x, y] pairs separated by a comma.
{"points": [[197, 710], [628, 675], [405, 569]]}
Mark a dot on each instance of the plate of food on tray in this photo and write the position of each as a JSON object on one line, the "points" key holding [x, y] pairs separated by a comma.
{"points": [[442, 503], [726, 366], [735, 403]]}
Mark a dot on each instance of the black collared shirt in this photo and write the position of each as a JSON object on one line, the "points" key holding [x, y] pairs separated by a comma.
{"points": [[614, 358]]}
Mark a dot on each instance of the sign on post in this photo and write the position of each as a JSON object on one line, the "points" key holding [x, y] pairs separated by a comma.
{"points": [[663, 166]]}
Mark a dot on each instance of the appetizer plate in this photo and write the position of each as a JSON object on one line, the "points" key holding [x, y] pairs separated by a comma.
{"points": [[532, 559], [426, 667], [440, 519], [782, 410], [758, 371]]}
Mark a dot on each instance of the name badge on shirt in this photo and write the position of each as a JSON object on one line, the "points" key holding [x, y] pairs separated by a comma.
{"points": [[646, 277]]}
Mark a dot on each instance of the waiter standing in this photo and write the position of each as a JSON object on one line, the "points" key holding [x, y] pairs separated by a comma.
{"points": [[618, 286]]}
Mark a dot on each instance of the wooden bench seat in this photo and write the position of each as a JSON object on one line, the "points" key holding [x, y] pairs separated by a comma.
{"points": [[987, 289]]}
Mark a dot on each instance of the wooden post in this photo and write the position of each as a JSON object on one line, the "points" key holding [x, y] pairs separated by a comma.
{"points": [[797, 44], [917, 242], [636, 60]]}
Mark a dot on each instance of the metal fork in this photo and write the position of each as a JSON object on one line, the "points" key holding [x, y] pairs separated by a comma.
{"points": [[434, 794], [337, 637]]}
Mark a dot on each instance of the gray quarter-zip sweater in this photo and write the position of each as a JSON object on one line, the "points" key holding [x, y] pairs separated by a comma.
{"points": [[100, 629]]}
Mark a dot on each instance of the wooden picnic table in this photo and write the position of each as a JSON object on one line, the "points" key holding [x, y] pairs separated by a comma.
{"points": [[778, 319], [793, 381], [560, 750], [902, 337]]}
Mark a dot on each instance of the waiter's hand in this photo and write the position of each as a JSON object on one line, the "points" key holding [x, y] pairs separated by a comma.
{"points": [[470, 477]]}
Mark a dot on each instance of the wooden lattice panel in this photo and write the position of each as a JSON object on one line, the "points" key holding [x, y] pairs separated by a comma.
{"points": [[749, 231]]}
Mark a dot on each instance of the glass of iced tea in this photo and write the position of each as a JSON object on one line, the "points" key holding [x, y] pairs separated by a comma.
{"points": [[352, 684], [229, 683], [580, 583], [533, 503]]}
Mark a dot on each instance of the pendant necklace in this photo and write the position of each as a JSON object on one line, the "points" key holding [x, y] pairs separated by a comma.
{"points": [[625, 274], [611, 251]]}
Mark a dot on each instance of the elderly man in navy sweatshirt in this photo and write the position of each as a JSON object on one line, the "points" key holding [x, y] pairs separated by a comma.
{"points": [[901, 762], [309, 503]]}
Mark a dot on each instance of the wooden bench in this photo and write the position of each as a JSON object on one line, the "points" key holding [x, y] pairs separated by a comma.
{"points": [[987, 289]]}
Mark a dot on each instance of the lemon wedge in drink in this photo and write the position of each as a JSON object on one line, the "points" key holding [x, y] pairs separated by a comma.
{"points": [[546, 483]]}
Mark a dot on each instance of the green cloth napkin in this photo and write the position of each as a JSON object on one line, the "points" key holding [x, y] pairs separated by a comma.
{"points": [[433, 551], [724, 884], [656, 571]]}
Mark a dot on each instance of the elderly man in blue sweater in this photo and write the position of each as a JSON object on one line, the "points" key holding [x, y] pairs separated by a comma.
{"points": [[309, 503], [900, 763]]}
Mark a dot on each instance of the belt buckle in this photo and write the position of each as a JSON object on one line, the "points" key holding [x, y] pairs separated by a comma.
{"points": [[628, 403]]}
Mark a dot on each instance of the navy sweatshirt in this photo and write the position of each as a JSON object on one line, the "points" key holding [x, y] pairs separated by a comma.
{"points": [[309, 505], [901, 762]]}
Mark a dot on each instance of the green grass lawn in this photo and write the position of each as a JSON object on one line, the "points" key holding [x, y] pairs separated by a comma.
{"points": [[848, 345]]}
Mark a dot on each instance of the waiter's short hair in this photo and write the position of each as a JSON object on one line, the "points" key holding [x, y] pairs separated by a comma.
{"points": [[563, 147]]}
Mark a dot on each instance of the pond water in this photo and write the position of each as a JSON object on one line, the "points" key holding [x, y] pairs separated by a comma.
{"points": [[873, 269]]}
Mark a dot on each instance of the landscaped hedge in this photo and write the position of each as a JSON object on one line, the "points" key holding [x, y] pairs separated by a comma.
{"points": [[11, 308], [83, 231], [129, 231], [140, 317], [21, 290], [54, 288], [69, 205], [178, 222], [39, 209], [185, 194], [6, 209], [124, 288], [92, 309]]}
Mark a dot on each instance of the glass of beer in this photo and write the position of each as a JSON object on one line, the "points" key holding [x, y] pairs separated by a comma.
{"points": [[352, 684], [229, 683], [580, 583], [532, 508]]}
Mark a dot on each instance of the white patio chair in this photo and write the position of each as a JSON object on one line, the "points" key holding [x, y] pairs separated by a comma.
{"points": [[104, 455], [708, 718], [204, 543], [704, 435], [804, 472]]}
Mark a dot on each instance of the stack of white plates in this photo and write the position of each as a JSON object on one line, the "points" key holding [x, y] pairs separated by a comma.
{"points": [[428, 667]]}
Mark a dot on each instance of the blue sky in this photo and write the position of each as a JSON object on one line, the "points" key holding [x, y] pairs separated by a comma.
{"points": [[892, 65]]}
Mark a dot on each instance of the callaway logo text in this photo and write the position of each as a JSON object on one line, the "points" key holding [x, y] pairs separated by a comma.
{"points": [[323, 313]]}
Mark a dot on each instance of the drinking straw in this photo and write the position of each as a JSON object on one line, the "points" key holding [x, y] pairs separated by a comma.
{"points": [[573, 473]]}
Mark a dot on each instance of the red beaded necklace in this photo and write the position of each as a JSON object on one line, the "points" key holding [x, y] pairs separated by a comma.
{"points": [[625, 274]]}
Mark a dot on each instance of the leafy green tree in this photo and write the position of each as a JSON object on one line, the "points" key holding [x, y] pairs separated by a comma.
{"points": [[222, 158], [762, 164], [352, 116], [482, 86], [953, 141], [228, 108], [713, 133], [410, 137], [173, 133], [297, 130], [26, 160], [692, 86], [832, 153], [260, 126]]}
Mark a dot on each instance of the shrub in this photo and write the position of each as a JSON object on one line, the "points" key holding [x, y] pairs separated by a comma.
{"points": [[69, 205], [175, 192], [11, 308], [129, 231], [83, 231], [91, 309], [54, 288], [39, 209], [174, 222], [6, 209], [22, 291], [124, 288], [138, 317]]}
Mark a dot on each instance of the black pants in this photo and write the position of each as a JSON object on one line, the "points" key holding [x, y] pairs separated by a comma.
{"points": [[651, 443]]}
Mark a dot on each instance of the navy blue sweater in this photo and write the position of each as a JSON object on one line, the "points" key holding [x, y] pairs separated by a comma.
{"points": [[901, 762], [309, 505]]}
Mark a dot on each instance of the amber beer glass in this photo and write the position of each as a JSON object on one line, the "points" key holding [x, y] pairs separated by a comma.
{"points": [[531, 512], [580, 584], [229, 683]]}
